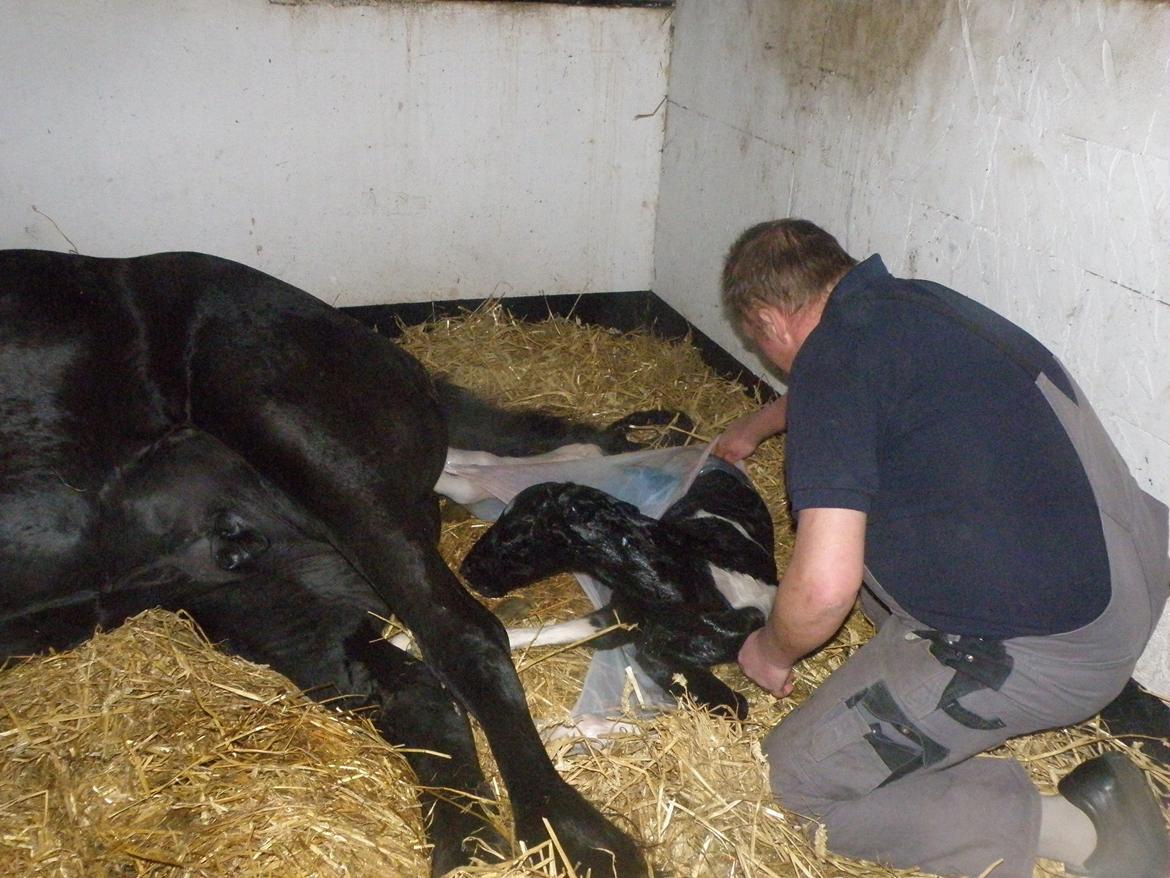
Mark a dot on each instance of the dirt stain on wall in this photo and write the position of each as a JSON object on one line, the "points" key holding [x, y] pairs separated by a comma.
{"points": [[872, 46]]}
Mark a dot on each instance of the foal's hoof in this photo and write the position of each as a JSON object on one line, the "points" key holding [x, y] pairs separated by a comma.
{"points": [[711, 693]]}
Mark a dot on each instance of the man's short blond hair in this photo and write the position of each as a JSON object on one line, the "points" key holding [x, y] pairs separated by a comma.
{"points": [[785, 263]]}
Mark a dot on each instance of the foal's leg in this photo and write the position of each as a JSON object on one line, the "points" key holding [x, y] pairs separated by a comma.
{"points": [[581, 630], [689, 643], [697, 682]]}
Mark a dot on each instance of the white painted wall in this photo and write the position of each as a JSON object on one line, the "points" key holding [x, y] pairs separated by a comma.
{"points": [[397, 152], [1016, 150]]}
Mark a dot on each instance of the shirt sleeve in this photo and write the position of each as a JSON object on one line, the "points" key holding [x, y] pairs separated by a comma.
{"points": [[831, 450]]}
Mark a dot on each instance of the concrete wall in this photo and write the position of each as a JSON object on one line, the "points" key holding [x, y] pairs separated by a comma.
{"points": [[1014, 150], [396, 152]]}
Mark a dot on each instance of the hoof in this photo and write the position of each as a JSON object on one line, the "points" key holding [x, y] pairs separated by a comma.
{"points": [[594, 845]]}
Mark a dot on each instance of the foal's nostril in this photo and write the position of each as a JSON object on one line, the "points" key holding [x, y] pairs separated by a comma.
{"points": [[475, 569], [468, 568]]}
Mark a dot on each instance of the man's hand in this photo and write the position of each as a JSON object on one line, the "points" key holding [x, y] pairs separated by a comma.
{"points": [[758, 661], [743, 435], [736, 442]]}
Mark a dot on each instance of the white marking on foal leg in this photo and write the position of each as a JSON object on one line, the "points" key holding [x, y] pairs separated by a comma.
{"points": [[460, 489], [574, 451], [458, 480], [552, 635]]}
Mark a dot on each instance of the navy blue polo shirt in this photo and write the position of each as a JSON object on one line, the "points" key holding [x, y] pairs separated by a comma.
{"points": [[919, 407]]}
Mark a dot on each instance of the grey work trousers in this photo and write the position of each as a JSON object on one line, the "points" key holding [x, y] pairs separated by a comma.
{"points": [[885, 753]]}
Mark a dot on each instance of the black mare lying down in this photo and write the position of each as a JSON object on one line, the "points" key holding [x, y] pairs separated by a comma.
{"points": [[695, 583], [182, 431]]}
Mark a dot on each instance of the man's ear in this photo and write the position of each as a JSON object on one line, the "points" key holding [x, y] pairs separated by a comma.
{"points": [[772, 321]]}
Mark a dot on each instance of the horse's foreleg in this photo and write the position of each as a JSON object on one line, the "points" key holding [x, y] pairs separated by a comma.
{"points": [[467, 648]]}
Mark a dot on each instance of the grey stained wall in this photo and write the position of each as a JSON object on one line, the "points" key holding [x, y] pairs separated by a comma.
{"points": [[1014, 150]]}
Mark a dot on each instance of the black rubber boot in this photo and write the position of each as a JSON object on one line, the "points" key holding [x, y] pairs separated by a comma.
{"points": [[1132, 840]]}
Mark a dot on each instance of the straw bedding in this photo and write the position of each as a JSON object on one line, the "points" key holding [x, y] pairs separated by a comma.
{"points": [[147, 752]]}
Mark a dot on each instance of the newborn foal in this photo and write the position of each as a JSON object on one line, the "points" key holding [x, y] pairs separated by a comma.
{"points": [[695, 583]]}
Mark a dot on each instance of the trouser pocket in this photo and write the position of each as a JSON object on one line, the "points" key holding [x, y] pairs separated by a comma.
{"points": [[864, 731], [894, 735]]}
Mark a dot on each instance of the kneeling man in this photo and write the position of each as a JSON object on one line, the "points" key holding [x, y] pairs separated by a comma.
{"points": [[1012, 566]]}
